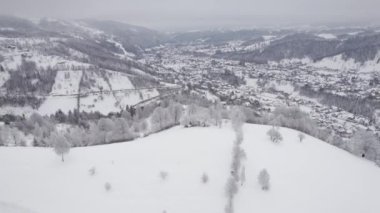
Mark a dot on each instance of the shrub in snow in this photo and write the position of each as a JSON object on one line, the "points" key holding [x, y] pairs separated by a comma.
{"points": [[92, 171], [274, 135], [264, 179], [60, 144], [163, 175], [301, 137], [204, 178], [107, 186]]}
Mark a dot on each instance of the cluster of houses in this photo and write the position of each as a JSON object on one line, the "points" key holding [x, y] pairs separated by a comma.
{"points": [[265, 86]]}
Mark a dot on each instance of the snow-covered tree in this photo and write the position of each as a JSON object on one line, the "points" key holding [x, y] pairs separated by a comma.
{"points": [[365, 144], [242, 175], [107, 186], [163, 175], [176, 111], [274, 135], [105, 127], [160, 119], [10, 136], [204, 178], [76, 136], [60, 144], [121, 130], [215, 112], [231, 190], [237, 117], [301, 136], [196, 116], [92, 171], [263, 179]]}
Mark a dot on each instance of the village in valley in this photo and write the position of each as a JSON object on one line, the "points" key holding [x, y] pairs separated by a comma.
{"points": [[265, 86]]}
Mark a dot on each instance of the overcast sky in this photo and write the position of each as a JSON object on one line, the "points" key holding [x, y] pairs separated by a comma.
{"points": [[197, 14]]}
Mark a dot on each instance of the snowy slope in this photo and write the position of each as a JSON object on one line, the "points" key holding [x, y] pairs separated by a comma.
{"points": [[66, 86], [122, 94], [338, 62], [66, 82], [62, 96], [311, 176]]}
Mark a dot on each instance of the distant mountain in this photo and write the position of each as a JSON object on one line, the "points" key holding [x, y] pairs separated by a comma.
{"points": [[133, 38], [361, 48], [263, 46]]}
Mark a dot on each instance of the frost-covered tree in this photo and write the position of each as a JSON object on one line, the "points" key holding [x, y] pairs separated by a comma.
{"points": [[38, 135], [237, 117], [3, 137], [263, 179], [242, 175], [75, 136], [365, 144], [204, 178], [11, 136], [163, 175], [160, 119], [215, 112], [92, 171], [301, 136], [231, 190], [196, 116], [176, 111], [105, 127], [107, 186], [274, 135], [60, 144], [121, 130]]}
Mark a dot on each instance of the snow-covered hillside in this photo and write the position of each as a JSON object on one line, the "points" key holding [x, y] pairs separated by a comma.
{"points": [[339, 63], [311, 176], [108, 91]]}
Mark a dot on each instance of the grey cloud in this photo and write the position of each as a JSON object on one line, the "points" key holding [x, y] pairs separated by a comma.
{"points": [[188, 14]]}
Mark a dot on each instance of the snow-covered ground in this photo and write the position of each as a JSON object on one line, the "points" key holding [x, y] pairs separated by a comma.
{"points": [[327, 36], [66, 86], [311, 176], [338, 62], [62, 96], [66, 82]]}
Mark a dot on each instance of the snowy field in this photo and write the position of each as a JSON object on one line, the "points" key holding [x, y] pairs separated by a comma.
{"points": [[66, 83], [62, 96], [311, 176]]}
